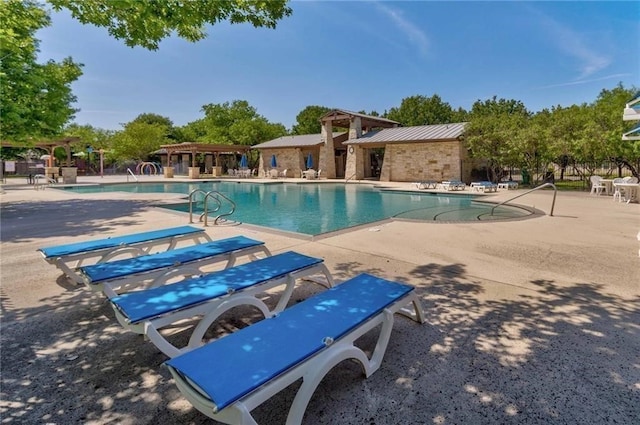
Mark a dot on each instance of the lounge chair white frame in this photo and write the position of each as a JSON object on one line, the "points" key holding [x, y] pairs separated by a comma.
{"points": [[453, 185], [508, 185], [213, 294], [426, 184], [116, 277], [69, 257], [193, 370], [484, 186]]}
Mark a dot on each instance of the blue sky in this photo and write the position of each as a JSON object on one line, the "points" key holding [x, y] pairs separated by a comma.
{"points": [[359, 55]]}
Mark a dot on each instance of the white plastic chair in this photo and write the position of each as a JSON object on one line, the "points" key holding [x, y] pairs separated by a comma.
{"points": [[617, 192], [596, 185]]}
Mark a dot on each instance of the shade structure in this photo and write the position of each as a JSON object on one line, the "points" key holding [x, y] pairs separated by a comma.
{"points": [[243, 161], [274, 163], [309, 162]]}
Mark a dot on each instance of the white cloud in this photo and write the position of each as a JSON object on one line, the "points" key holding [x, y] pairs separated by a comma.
{"points": [[411, 31], [574, 44], [575, 83]]}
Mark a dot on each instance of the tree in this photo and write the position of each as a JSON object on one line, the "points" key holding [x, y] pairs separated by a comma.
{"points": [[609, 127], [96, 138], [36, 99], [146, 22], [490, 134], [308, 120], [236, 123], [151, 118], [421, 110], [138, 140]]}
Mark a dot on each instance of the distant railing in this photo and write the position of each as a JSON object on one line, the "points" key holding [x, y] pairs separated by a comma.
{"points": [[129, 172], [553, 203], [351, 177]]}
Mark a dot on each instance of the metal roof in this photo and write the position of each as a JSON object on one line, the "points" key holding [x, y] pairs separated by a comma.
{"points": [[301, 141], [417, 133], [358, 114]]}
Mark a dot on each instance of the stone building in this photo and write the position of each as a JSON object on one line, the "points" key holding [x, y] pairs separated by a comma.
{"points": [[372, 148]]}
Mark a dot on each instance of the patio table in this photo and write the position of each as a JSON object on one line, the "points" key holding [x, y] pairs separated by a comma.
{"points": [[630, 191], [608, 186]]}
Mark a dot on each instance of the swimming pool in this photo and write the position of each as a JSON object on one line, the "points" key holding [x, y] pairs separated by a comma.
{"points": [[317, 208]]}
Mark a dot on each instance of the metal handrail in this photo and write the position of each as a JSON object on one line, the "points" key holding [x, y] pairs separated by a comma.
{"points": [[191, 194], [132, 175], [214, 194], [553, 203], [353, 176]]}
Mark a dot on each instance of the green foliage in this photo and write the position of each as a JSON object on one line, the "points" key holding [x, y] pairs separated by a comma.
{"points": [[173, 133], [35, 99], [491, 134], [138, 140], [97, 138], [607, 118], [421, 110], [235, 123], [146, 22], [308, 120]]}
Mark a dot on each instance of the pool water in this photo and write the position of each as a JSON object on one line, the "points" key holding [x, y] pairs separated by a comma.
{"points": [[314, 209]]}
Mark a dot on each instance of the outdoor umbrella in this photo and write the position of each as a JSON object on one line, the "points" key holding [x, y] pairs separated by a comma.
{"points": [[243, 161], [274, 164], [309, 162]]}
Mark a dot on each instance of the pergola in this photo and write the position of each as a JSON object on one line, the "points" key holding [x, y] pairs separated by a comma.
{"points": [[196, 148], [49, 146]]}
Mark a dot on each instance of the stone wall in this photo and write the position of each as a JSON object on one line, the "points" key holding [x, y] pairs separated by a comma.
{"points": [[422, 161], [292, 160]]}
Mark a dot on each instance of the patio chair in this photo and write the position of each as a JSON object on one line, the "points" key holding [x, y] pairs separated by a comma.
{"points": [[284, 173], [229, 377], [120, 276], [208, 296], [596, 185], [69, 257], [618, 192]]}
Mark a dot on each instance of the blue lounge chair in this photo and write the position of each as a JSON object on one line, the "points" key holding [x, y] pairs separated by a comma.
{"points": [[484, 186], [453, 185], [208, 296], [425, 184], [229, 377], [71, 256], [156, 269]]}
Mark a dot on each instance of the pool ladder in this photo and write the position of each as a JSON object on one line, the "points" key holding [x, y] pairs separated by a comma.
{"points": [[553, 203], [217, 197]]}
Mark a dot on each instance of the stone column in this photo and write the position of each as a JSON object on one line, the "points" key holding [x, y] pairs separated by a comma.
{"points": [[69, 175], [355, 128], [327, 161], [208, 164]]}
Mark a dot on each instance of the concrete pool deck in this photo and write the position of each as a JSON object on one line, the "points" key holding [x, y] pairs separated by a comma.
{"points": [[533, 321]]}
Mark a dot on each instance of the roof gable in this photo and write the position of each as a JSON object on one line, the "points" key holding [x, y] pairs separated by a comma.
{"points": [[342, 118]]}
